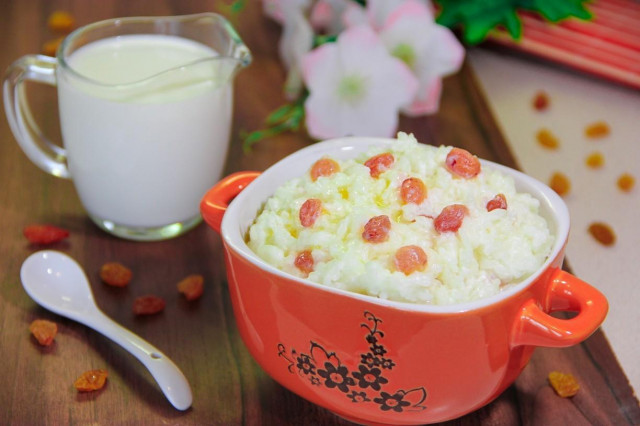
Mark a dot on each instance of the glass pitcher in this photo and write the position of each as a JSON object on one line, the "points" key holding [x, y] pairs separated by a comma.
{"points": [[145, 109]]}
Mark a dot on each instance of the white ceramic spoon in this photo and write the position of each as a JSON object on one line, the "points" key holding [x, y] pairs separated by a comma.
{"points": [[56, 282]]}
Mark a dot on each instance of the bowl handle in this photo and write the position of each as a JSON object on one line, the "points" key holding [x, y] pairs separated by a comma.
{"points": [[534, 326], [217, 199]]}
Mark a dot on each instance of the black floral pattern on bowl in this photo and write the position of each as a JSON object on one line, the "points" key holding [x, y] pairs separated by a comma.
{"points": [[367, 384]]}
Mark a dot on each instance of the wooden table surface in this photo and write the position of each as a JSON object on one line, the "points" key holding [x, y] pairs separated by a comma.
{"points": [[36, 383]]}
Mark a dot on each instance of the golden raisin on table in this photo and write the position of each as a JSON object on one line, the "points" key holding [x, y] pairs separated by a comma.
{"points": [[564, 384], [148, 305], [192, 286], [546, 139], [626, 182], [44, 331], [598, 129], [595, 160], [560, 183], [61, 22], [541, 101], [91, 380], [602, 233], [115, 274]]}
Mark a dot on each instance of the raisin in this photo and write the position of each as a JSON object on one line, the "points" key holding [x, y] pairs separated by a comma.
{"points": [[50, 47], [541, 101], [595, 160], [602, 233], [626, 182], [377, 229], [44, 331], [564, 384], [304, 261], [497, 202], [115, 274], [450, 218], [323, 167], [191, 286], [560, 183], [44, 234], [598, 129], [413, 190], [462, 163], [61, 22], [379, 164], [148, 305], [409, 259], [309, 212], [547, 139], [91, 380]]}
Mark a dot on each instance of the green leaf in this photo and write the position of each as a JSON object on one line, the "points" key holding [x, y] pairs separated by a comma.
{"points": [[255, 137], [513, 24], [322, 39], [237, 6], [478, 17], [557, 10], [291, 123], [280, 114]]}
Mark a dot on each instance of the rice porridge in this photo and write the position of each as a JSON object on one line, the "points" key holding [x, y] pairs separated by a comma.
{"points": [[406, 222]]}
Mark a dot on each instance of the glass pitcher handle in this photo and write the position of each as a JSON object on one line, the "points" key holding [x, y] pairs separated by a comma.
{"points": [[41, 151]]}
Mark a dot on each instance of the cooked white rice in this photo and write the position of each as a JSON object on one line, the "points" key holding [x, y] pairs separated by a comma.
{"points": [[490, 251]]}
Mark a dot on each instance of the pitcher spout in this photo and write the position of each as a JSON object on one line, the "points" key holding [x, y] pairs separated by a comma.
{"points": [[217, 32]]}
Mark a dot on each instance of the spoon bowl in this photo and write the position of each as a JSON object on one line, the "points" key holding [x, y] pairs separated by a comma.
{"points": [[56, 282]]}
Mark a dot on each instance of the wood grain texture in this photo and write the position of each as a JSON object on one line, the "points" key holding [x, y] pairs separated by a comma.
{"points": [[201, 337]]}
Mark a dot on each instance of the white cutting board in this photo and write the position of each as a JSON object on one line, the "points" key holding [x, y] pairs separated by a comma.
{"points": [[510, 82]]}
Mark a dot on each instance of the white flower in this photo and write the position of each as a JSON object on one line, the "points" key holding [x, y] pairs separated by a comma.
{"points": [[355, 86], [295, 42], [429, 49], [408, 30]]}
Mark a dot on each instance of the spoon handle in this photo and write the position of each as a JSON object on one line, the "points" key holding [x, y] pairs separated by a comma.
{"points": [[173, 383]]}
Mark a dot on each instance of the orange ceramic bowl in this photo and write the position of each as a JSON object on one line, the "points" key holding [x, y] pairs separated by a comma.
{"points": [[378, 361]]}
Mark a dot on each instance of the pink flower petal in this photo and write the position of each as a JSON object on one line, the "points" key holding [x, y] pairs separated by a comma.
{"points": [[427, 101], [354, 15], [409, 8], [448, 54], [327, 15]]}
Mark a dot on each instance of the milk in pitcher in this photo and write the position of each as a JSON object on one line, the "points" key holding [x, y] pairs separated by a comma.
{"points": [[152, 110]]}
